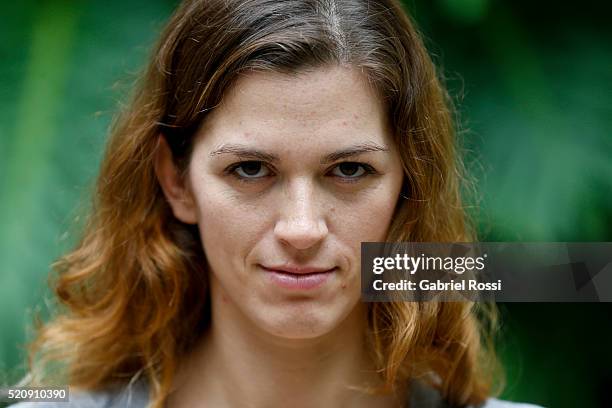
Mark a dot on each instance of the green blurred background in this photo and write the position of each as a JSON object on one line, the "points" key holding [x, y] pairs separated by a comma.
{"points": [[532, 81]]}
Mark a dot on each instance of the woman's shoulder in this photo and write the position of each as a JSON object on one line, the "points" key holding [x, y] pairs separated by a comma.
{"points": [[134, 395], [425, 396], [495, 403]]}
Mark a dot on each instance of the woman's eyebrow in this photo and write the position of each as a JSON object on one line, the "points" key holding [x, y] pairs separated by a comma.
{"points": [[354, 150], [246, 152]]}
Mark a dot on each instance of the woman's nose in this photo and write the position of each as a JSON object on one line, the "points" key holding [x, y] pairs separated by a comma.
{"points": [[301, 223]]}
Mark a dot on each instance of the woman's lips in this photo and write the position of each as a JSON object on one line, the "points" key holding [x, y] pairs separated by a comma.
{"points": [[298, 278]]}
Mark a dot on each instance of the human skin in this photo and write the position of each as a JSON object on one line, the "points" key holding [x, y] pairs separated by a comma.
{"points": [[276, 342]]}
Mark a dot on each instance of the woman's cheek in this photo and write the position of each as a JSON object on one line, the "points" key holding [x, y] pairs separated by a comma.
{"points": [[228, 224], [367, 221]]}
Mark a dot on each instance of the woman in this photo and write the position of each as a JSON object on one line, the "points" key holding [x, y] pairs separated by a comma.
{"points": [[220, 264]]}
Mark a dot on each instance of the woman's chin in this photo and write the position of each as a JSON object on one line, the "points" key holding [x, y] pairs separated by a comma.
{"points": [[305, 324], [301, 330]]}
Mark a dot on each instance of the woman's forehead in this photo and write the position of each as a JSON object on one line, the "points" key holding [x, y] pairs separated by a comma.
{"points": [[324, 104]]}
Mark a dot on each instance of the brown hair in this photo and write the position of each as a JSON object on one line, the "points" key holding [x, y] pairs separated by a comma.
{"points": [[131, 289]]}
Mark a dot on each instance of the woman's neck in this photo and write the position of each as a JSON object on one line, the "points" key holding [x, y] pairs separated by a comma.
{"points": [[236, 364]]}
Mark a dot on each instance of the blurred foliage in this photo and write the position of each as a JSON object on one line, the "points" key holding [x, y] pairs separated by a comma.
{"points": [[531, 81]]}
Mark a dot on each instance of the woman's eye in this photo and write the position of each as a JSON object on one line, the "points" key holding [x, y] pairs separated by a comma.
{"points": [[250, 170], [350, 170], [253, 170]]}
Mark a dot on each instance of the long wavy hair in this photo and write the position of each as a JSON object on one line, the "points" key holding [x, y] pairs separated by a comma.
{"points": [[130, 292]]}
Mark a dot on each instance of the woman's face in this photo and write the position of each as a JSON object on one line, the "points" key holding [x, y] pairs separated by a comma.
{"points": [[288, 176]]}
